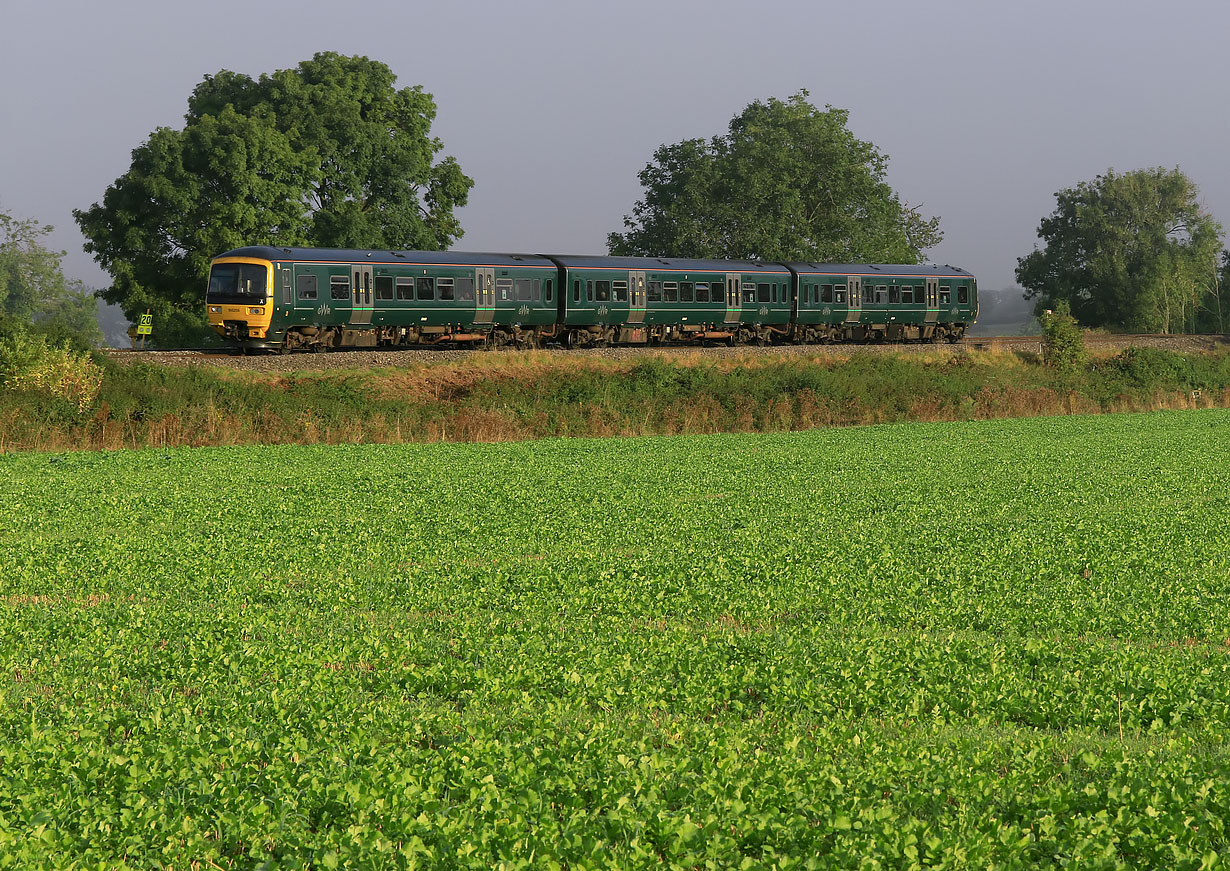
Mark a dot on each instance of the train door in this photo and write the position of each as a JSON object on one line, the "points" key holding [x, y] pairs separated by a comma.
{"points": [[361, 294], [734, 309], [854, 298], [636, 302], [933, 300], [484, 295]]}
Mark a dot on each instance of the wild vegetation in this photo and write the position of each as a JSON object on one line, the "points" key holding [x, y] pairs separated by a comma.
{"points": [[929, 645], [536, 395]]}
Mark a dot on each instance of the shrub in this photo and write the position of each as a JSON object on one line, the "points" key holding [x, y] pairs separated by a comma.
{"points": [[1063, 345], [28, 362]]}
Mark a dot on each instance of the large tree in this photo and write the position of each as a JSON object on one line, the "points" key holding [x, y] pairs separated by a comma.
{"points": [[787, 182], [35, 293], [1132, 250], [330, 153]]}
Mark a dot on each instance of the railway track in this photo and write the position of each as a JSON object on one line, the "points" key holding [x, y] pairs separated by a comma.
{"points": [[401, 357]]}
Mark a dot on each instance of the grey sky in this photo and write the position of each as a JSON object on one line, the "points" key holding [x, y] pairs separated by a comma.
{"points": [[985, 109]]}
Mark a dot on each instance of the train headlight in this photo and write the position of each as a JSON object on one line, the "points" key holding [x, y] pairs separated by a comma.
{"points": [[256, 311], [215, 309]]}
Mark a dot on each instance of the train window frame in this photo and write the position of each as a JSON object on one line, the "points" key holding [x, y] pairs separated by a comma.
{"points": [[602, 290], [404, 288], [589, 291], [749, 292], [619, 291], [339, 287], [670, 291], [894, 294], [653, 291], [305, 286], [762, 292], [384, 286], [576, 290], [839, 294], [523, 289], [962, 295], [945, 294], [881, 297], [504, 288], [687, 291], [702, 287], [445, 288], [424, 288], [826, 293], [463, 288], [548, 289]]}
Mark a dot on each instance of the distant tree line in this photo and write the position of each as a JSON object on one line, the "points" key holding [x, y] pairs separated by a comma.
{"points": [[35, 295], [1134, 251], [332, 153]]}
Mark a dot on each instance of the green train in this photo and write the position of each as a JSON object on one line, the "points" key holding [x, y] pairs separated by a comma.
{"points": [[284, 299]]}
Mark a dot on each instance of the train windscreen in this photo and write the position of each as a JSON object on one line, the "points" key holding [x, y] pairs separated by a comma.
{"points": [[244, 283]]}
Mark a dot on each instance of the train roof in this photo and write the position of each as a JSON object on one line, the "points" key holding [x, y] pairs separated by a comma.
{"points": [[659, 264], [910, 271], [578, 261], [374, 255]]}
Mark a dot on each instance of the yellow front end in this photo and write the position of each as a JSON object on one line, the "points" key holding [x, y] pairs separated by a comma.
{"points": [[239, 300]]}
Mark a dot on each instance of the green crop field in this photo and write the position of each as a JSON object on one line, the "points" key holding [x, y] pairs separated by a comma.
{"points": [[994, 644]]}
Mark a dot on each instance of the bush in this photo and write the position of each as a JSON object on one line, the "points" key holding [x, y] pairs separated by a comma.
{"points": [[29, 362], [1063, 345]]}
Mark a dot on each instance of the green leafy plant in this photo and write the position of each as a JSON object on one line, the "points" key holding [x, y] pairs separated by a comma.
{"points": [[979, 644]]}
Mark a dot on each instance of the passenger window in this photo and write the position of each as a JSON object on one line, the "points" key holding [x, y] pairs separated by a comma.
{"points": [[405, 288], [444, 286], [305, 286], [576, 291], [945, 295], [339, 287], [384, 287], [589, 291], [963, 295], [685, 291], [894, 293], [505, 288], [670, 290], [549, 289], [702, 292], [749, 293], [620, 289], [524, 290], [881, 294], [602, 291], [653, 291], [762, 292], [425, 287], [840, 294], [464, 288], [826, 293]]}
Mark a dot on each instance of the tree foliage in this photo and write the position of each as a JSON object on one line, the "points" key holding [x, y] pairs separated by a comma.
{"points": [[1133, 250], [787, 182], [330, 153], [34, 292]]}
